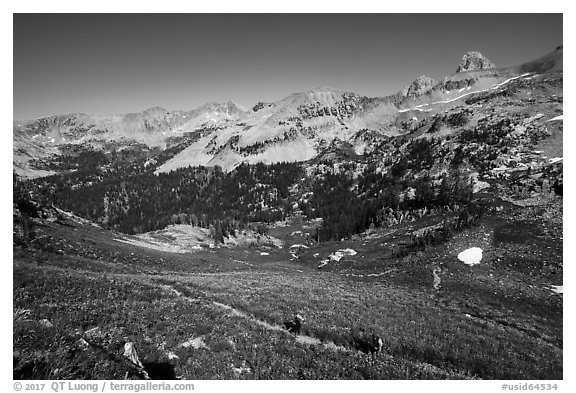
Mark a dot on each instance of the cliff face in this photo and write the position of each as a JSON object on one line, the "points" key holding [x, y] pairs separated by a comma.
{"points": [[472, 61], [421, 85]]}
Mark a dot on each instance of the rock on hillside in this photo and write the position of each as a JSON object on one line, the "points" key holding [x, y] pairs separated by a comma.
{"points": [[421, 85], [473, 61]]}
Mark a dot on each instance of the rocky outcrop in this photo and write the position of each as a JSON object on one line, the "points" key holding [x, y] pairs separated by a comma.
{"points": [[449, 85], [472, 61], [349, 105], [421, 85], [260, 105]]}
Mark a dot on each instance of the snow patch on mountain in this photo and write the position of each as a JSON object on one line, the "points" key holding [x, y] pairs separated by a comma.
{"points": [[471, 256], [559, 289], [557, 118]]}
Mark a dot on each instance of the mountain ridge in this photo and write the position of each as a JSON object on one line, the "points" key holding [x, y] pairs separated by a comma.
{"points": [[291, 129]]}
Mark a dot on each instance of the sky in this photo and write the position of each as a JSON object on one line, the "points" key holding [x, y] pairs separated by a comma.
{"points": [[116, 63]]}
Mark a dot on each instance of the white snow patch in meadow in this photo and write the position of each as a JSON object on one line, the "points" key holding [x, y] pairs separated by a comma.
{"points": [[559, 289], [557, 118], [337, 256], [348, 251], [298, 246], [471, 256], [264, 254]]}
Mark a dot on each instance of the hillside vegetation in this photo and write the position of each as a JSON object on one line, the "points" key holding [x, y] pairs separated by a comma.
{"points": [[204, 268]]}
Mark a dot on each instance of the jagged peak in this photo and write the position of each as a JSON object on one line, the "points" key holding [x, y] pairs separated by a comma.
{"points": [[232, 104], [474, 60], [421, 85]]}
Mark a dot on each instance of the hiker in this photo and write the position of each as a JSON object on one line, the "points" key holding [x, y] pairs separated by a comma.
{"points": [[294, 325], [370, 345]]}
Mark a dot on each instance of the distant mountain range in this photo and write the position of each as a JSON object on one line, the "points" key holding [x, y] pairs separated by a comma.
{"points": [[296, 128]]}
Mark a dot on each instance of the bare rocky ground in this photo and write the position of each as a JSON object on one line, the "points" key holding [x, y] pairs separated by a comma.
{"points": [[80, 296]]}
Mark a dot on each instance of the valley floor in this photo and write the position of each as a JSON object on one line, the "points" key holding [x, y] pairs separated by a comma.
{"points": [[80, 296]]}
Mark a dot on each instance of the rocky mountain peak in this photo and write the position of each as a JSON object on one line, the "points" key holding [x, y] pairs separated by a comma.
{"points": [[235, 107], [420, 86], [472, 61], [229, 107]]}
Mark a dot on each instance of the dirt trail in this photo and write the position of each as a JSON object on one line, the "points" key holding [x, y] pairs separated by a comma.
{"points": [[248, 317], [302, 338], [242, 262], [369, 274], [308, 340]]}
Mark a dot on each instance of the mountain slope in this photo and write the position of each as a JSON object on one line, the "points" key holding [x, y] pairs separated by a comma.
{"points": [[294, 129], [42, 137]]}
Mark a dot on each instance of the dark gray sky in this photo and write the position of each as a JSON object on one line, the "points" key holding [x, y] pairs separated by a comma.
{"points": [[106, 63]]}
